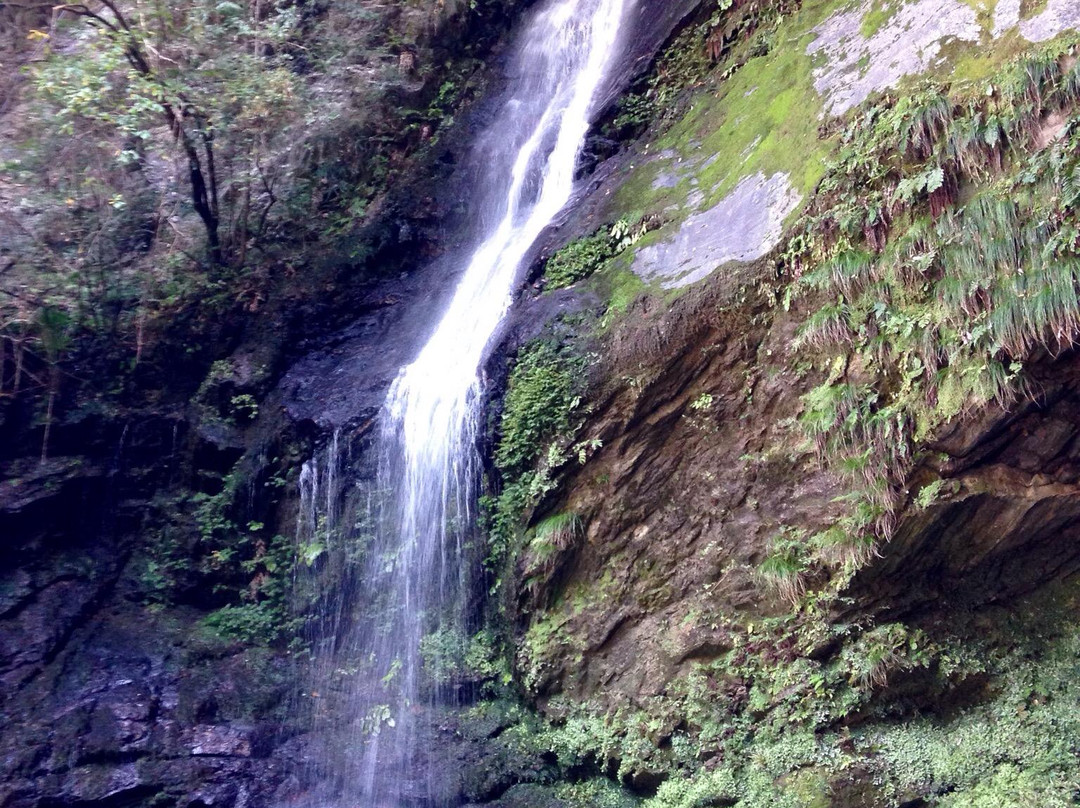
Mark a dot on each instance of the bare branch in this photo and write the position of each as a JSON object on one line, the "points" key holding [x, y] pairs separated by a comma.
{"points": [[82, 10]]}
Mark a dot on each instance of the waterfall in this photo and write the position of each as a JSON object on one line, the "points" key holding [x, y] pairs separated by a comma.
{"points": [[422, 510]]}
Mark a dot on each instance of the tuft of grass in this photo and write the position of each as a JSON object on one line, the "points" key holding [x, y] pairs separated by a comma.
{"points": [[784, 569], [923, 309], [559, 530]]}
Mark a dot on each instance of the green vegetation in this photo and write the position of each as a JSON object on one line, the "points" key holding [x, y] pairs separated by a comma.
{"points": [[535, 435], [169, 168], [450, 656], [541, 397], [939, 254], [779, 725], [784, 568], [241, 568], [683, 64], [251, 623], [551, 537], [939, 251], [581, 258], [244, 408], [577, 260], [726, 36], [595, 793]]}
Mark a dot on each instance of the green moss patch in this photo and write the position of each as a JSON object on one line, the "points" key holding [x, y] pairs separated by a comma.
{"points": [[880, 13], [941, 251]]}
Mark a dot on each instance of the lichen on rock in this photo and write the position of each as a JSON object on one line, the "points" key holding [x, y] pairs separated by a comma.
{"points": [[743, 226]]}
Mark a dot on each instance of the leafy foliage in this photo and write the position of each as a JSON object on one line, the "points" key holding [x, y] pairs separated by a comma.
{"points": [[171, 164], [784, 728], [784, 568], [251, 623], [540, 398], [577, 260], [449, 656], [536, 429], [583, 257], [925, 311]]}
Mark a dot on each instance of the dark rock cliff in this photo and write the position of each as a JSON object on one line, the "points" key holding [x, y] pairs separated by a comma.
{"points": [[701, 634]]}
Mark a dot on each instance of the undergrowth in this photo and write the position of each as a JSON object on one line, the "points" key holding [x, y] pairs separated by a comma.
{"points": [[941, 252], [536, 431], [581, 258], [775, 722]]}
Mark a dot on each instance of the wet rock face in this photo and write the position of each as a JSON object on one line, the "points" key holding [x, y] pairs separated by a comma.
{"points": [[1007, 518], [743, 227], [680, 503], [698, 473], [105, 700], [651, 23], [48, 586], [115, 719]]}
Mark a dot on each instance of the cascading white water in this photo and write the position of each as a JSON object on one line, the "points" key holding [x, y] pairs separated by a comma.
{"points": [[427, 455]]}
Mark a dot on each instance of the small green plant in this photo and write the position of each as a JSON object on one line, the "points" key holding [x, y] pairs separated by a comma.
{"points": [[449, 656], [577, 260], [784, 569], [559, 529], [878, 653], [929, 494], [541, 395], [251, 623], [536, 438], [702, 403], [245, 408], [581, 258], [443, 654], [551, 537]]}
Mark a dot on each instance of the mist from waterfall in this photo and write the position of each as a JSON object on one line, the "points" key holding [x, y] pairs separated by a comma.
{"points": [[412, 531]]}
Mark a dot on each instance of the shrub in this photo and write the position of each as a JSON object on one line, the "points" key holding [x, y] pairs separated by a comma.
{"points": [[577, 260]]}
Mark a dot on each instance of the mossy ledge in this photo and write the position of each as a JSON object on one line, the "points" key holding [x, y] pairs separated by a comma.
{"points": [[926, 290]]}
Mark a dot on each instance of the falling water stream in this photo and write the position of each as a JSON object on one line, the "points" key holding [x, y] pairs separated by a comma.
{"points": [[427, 466]]}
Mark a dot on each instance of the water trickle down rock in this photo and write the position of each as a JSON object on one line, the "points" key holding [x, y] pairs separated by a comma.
{"points": [[414, 570]]}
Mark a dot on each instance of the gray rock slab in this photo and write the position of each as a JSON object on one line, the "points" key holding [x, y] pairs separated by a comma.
{"points": [[1058, 16], [744, 226], [909, 42]]}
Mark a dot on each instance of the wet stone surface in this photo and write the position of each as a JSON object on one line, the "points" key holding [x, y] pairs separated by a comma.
{"points": [[744, 226]]}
